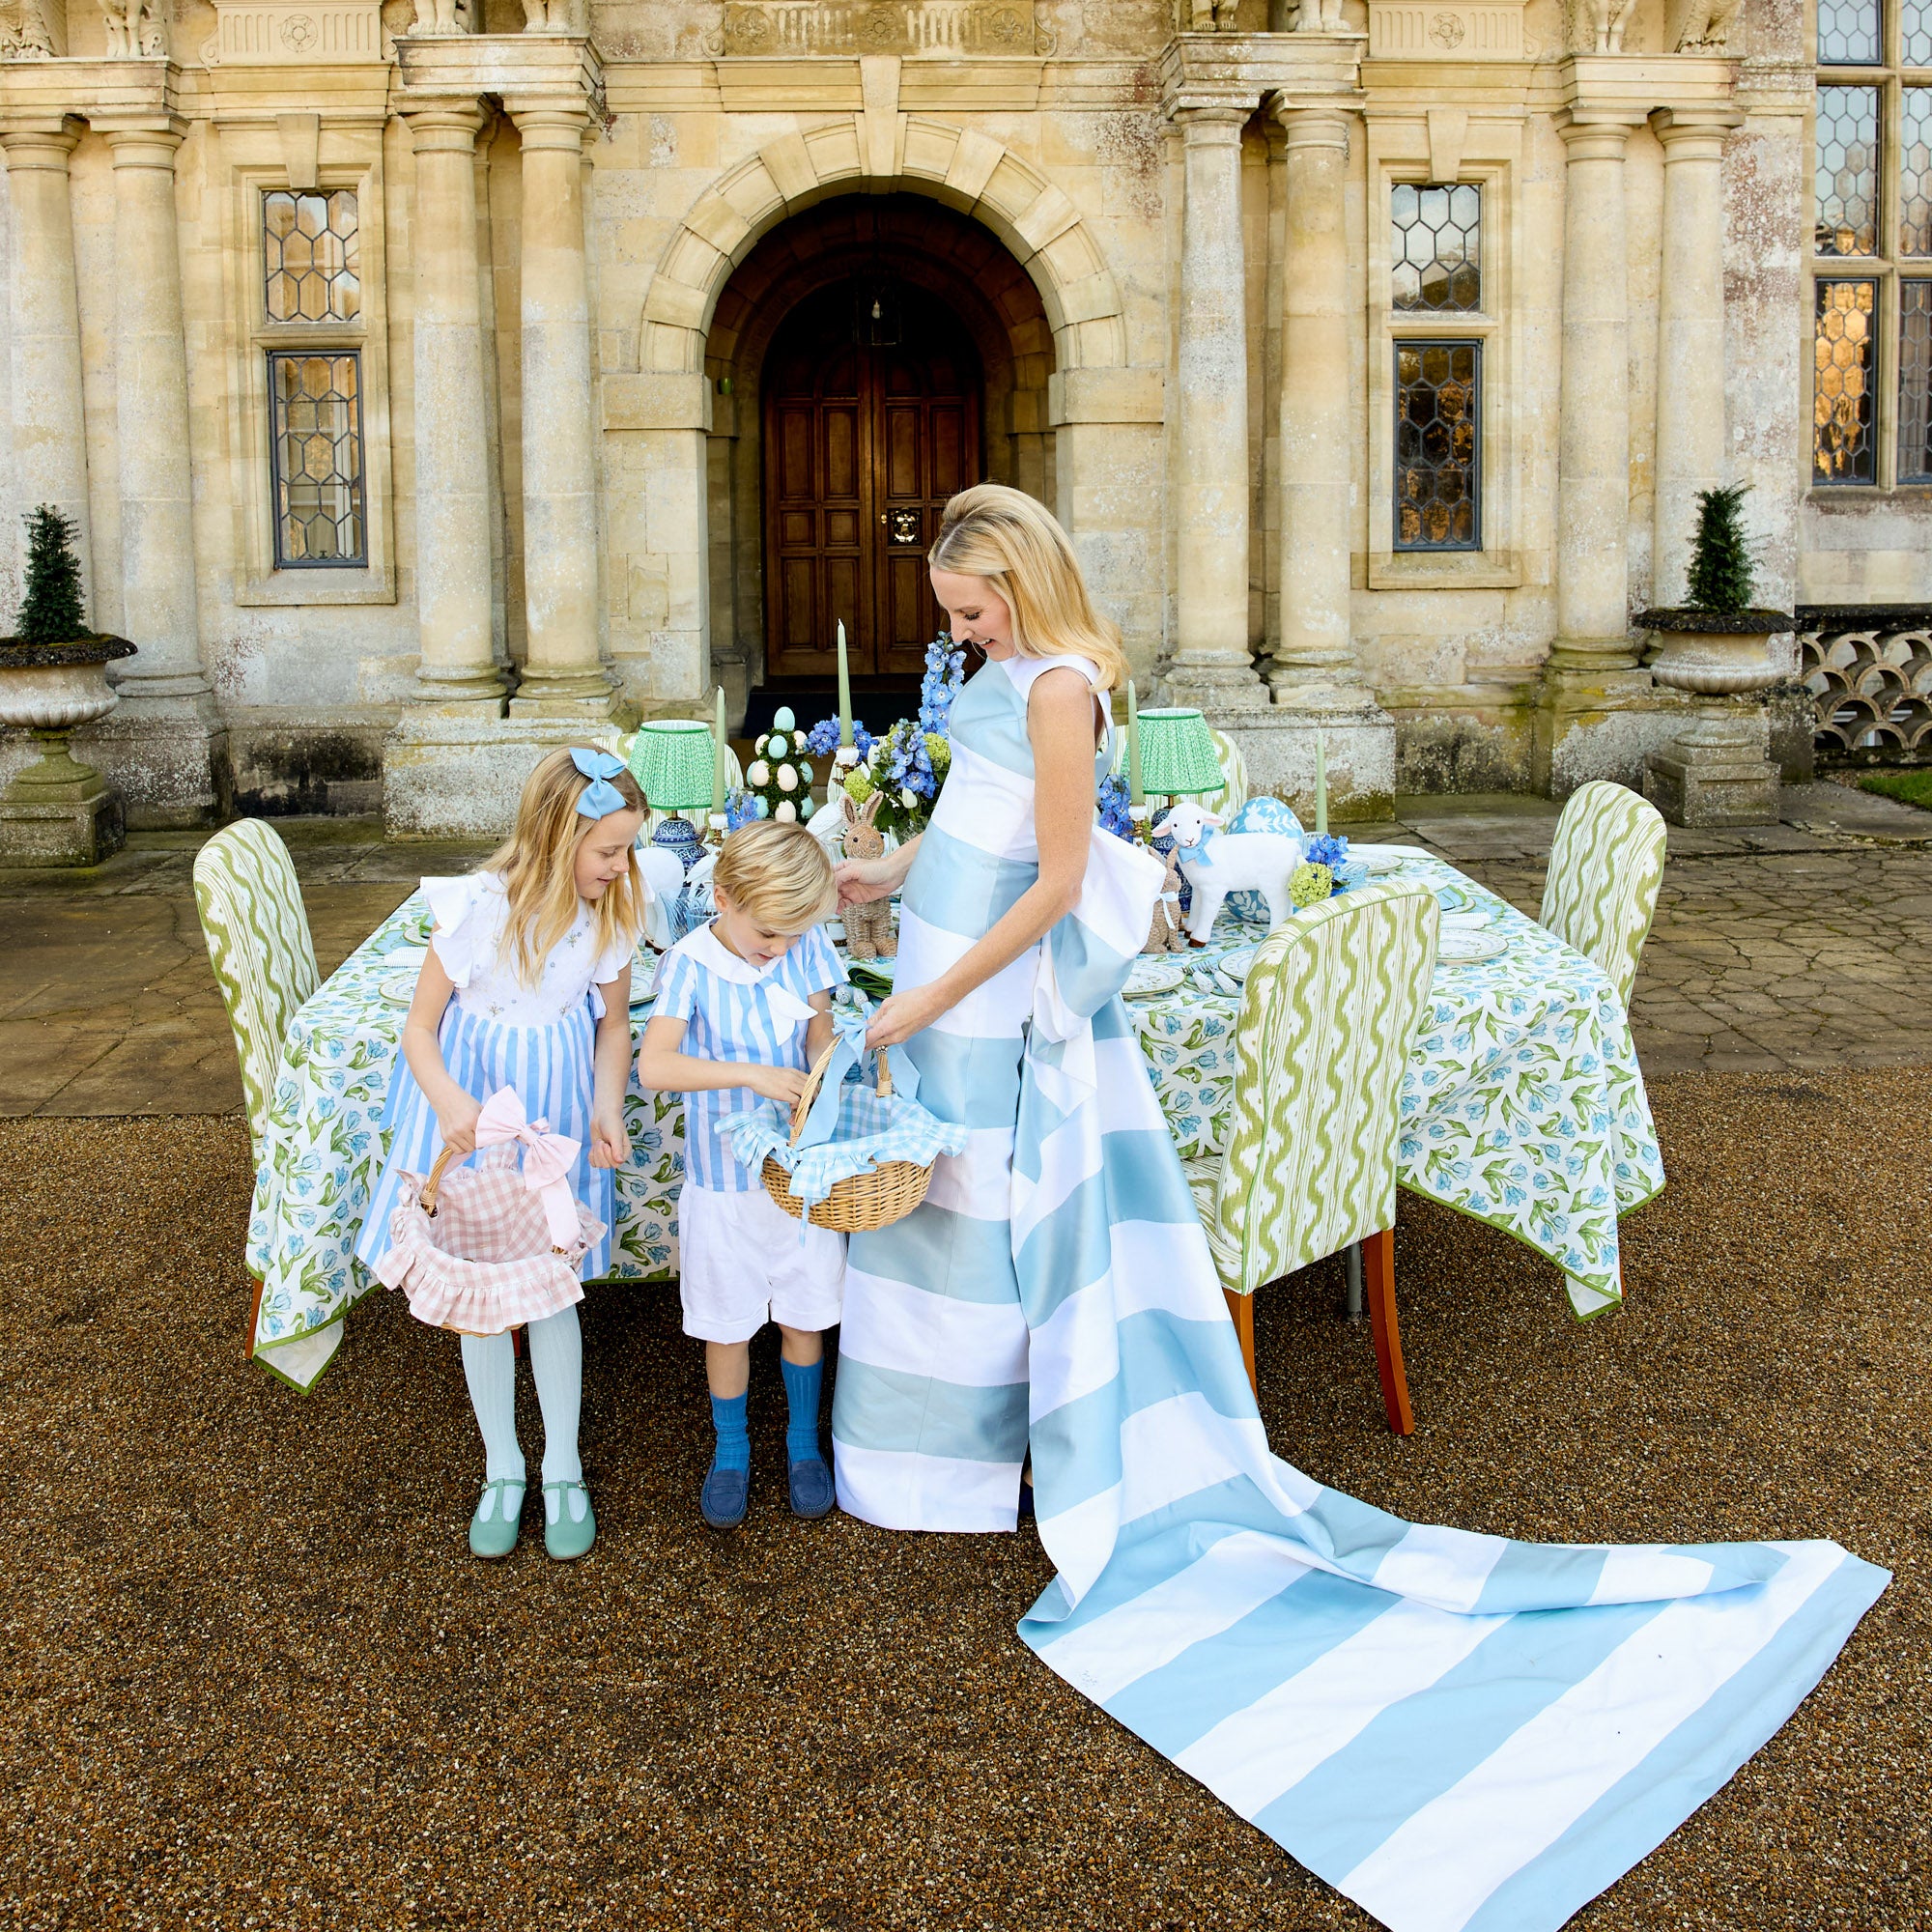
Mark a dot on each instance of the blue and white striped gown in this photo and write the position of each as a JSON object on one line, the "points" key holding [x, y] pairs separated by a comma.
{"points": [[1455, 1730]]}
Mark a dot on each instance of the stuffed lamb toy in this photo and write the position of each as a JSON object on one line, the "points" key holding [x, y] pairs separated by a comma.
{"points": [[1216, 863]]}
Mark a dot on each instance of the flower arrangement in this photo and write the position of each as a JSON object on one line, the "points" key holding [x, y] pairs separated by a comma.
{"points": [[1310, 884], [1111, 799], [822, 740], [908, 765]]}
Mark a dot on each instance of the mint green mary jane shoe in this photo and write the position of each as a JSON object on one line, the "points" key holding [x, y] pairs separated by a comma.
{"points": [[493, 1530], [566, 1535]]}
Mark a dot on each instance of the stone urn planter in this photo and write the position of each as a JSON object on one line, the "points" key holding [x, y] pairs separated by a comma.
{"points": [[58, 811], [1716, 771]]}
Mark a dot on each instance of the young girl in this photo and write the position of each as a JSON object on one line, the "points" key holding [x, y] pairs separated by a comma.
{"points": [[527, 986], [742, 1009]]}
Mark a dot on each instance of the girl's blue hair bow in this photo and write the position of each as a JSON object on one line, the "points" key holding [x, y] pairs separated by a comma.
{"points": [[600, 797]]}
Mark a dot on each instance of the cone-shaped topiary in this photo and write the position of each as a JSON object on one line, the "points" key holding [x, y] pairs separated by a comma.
{"points": [[1721, 575], [52, 612]]}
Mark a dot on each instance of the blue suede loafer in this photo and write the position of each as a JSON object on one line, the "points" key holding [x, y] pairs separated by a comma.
{"points": [[812, 1490], [723, 1496]]}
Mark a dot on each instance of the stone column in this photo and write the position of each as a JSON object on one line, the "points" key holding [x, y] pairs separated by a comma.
{"points": [[1313, 664], [1690, 339], [560, 574], [457, 665], [44, 334], [1211, 666], [164, 745], [1593, 447]]}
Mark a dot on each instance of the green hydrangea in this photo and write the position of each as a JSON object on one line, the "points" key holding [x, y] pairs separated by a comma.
{"points": [[859, 785], [940, 754], [1310, 885]]}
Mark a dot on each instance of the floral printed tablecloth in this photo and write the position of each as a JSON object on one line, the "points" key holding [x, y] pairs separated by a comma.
{"points": [[1522, 1105]]}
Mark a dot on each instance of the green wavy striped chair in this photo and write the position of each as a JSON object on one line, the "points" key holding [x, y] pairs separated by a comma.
{"points": [[258, 942], [1331, 1004], [1600, 893], [1232, 795]]}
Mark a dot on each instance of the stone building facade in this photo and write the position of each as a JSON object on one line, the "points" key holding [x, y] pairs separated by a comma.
{"points": [[432, 379]]}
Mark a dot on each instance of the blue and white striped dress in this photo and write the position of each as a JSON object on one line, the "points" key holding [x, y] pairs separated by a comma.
{"points": [[498, 1032], [1455, 1730]]}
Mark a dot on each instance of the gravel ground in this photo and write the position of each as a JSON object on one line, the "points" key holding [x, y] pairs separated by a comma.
{"points": [[251, 1677]]}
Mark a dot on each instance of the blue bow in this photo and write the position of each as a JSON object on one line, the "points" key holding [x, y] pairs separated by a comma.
{"points": [[601, 798], [849, 1023]]}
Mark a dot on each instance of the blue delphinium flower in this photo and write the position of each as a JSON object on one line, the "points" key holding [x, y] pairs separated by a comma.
{"points": [[1326, 849], [823, 738], [742, 808], [1112, 798], [945, 674]]}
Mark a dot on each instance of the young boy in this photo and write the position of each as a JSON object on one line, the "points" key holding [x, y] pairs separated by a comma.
{"points": [[742, 1009]]}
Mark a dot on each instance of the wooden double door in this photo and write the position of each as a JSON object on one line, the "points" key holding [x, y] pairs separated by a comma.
{"points": [[864, 442]]}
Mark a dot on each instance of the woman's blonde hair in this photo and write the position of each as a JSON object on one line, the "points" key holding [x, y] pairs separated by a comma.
{"points": [[538, 869], [777, 873], [1018, 547]]}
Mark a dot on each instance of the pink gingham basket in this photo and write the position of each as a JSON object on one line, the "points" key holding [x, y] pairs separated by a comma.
{"points": [[488, 1248]]}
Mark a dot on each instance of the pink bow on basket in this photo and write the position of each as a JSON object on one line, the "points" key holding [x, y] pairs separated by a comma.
{"points": [[548, 1158]]}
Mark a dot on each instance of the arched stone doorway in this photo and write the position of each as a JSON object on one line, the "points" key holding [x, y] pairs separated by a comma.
{"points": [[839, 434]]}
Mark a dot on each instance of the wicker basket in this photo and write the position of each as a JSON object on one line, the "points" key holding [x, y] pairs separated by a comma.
{"points": [[860, 1202]]}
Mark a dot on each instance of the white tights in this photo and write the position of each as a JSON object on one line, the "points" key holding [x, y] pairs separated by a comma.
{"points": [[556, 1360]]}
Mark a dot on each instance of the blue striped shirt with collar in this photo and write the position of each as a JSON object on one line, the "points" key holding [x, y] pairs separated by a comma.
{"points": [[732, 1011]]}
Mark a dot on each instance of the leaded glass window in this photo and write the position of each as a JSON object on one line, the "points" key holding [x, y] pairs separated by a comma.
{"points": [[1914, 172], [1848, 32], [1916, 33], [317, 446], [311, 249], [1847, 190], [1437, 445], [1914, 381], [1845, 346], [1436, 246]]}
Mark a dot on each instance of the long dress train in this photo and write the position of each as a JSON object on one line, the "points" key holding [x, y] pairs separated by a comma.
{"points": [[1454, 1729]]}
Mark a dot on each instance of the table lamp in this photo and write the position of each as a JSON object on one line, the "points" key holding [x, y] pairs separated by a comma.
{"points": [[673, 759], [1177, 754]]}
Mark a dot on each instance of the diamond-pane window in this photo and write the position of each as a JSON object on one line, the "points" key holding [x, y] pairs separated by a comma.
{"points": [[1848, 32], [1436, 246], [1915, 26], [1437, 445], [1914, 172], [1845, 345], [1914, 381], [311, 254], [1847, 173], [317, 451]]}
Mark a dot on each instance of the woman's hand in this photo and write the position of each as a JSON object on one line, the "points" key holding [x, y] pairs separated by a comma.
{"points": [[902, 1014], [783, 1084], [864, 880], [609, 1144], [456, 1118]]}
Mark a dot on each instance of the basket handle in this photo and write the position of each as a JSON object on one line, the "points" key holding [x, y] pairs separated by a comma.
{"points": [[427, 1196], [802, 1106]]}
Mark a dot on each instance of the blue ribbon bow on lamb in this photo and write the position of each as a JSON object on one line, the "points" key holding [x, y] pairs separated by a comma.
{"points": [[600, 797]]}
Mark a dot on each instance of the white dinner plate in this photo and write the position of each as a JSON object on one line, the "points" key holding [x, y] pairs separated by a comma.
{"points": [[1377, 861], [1153, 973], [401, 988], [1356, 851], [1455, 899], [1460, 947], [1462, 922], [1236, 964]]}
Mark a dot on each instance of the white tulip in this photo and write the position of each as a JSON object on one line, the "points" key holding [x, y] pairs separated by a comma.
{"points": [[760, 774], [909, 799], [788, 778], [786, 813]]}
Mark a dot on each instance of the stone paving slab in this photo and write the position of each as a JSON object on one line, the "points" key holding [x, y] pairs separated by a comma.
{"points": [[1806, 944]]}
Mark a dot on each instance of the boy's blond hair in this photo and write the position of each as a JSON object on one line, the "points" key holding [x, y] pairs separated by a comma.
{"points": [[777, 873], [538, 869]]}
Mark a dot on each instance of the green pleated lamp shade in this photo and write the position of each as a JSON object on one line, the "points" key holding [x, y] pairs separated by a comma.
{"points": [[1177, 754], [671, 758]]}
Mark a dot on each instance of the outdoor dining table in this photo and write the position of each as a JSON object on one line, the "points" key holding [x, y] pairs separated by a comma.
{"points": [[1521, 1106]]}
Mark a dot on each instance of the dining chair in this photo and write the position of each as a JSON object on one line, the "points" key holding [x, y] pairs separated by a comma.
{"points": [[256, 927], [1600, 893], [1329, 1009], [1234, 794]]}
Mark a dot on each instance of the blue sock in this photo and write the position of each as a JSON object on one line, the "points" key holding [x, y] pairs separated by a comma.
{"points": [[802, 1380], [735, 1439]]}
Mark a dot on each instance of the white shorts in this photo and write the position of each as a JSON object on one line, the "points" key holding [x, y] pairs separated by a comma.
{"points": [[741, 1265]]}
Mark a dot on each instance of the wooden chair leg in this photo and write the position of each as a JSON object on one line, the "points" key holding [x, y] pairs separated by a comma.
{"points": [[254, 1322], [1378, 1265], [1241, 1309]]}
